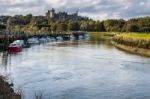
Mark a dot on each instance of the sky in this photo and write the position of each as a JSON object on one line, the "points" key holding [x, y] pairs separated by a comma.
{"points": [[96, 9]]}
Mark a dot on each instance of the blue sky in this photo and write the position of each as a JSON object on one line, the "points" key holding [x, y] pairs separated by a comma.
{"points": [[96, 9]]}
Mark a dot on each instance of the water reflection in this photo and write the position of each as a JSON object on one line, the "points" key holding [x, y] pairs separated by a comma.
{"points": [[80, 69], [5, 60]]}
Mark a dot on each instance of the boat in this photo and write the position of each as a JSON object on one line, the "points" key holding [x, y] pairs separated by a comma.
{"points": [[53, 39], [48, 39], [19, 42], [26, 45], [59, 38], [15, 47], [33, 41], [43, 40]]}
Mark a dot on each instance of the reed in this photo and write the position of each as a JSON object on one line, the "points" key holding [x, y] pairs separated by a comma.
{"points": [[140, 40]]}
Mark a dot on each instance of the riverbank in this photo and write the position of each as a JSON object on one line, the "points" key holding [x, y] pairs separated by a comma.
{"points": [[136, 43], [101, 35], [6, 92], [133, 50]]}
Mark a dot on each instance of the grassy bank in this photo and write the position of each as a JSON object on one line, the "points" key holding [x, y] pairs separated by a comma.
{"points": [[138, 43], [6, 92], [139, 40], [133, 50], [101, 35]]}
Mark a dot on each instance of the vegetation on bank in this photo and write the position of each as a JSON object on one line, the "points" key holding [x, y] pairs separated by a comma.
{"points": [[101, 35], [40, 24], [6, 92], [133, 50], [136, 35], [110, 28], [139, 40], [138, 43], [133, 39]]}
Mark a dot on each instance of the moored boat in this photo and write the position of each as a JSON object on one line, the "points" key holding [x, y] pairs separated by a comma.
{"points": [[26, 45], [33, 41], [43, 40], [19, 42], [15, 47], [59, 38]]}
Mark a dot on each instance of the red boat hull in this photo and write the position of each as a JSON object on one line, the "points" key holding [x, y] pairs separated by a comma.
{"points": [[15, 49]]}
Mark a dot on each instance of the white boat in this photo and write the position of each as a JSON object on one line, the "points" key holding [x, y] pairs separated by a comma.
{"points": [[53, 39], [72, 37], [43, 40], [19, 42], [48, 39], [59, 38], [33, 41]]}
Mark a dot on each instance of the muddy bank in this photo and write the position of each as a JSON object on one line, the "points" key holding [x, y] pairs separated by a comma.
{"points": [[6, 92], [134, 50]]}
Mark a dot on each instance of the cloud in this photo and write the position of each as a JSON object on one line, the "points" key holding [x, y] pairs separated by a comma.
{"points": [[97, 9]]}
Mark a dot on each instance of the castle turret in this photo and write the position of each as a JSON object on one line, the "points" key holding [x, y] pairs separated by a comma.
{"points": [[50, 14], [76, 13]]}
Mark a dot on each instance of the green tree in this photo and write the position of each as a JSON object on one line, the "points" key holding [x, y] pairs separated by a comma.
{"points": [[112, 25], [73, 26], [97, 25], [84, 26], [53, 27], [61, 27], [91, 26], [132, 28]]}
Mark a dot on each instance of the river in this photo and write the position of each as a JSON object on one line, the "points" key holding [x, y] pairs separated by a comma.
{"points": [[78, 70]]}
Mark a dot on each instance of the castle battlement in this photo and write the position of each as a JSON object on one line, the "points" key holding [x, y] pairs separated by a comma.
{"points": [[51, 14]]}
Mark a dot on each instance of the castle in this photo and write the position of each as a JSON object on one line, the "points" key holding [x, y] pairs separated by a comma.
{"points": [[51, 14]]}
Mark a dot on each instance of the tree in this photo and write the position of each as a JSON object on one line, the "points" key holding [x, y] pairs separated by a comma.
{"points": [[2, 26], [101, 26], [44, 30], [132, 28], [73, 26], [97, 25], [53, 27], [61, 27], [91, 26], [84, 26], [112, 25]]}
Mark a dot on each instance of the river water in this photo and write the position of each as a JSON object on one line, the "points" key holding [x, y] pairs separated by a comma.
{"points": [[77, 70]]}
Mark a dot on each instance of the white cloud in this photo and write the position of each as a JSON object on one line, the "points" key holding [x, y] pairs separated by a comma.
{"points": [[97, 9]]}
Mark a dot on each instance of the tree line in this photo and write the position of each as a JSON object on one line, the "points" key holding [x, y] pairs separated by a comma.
{"points": [[41, 24]]}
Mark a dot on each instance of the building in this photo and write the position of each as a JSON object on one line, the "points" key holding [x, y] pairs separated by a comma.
{"points": [[1, 20], [51, 14]]}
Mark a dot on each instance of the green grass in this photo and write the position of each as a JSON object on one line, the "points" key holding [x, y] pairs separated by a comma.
{"points": [[136, 35], [140, 40], [99, 35]]}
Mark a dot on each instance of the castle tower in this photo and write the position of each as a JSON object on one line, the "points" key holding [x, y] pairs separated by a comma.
{"points": [[52, 13], [76, 13]]}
